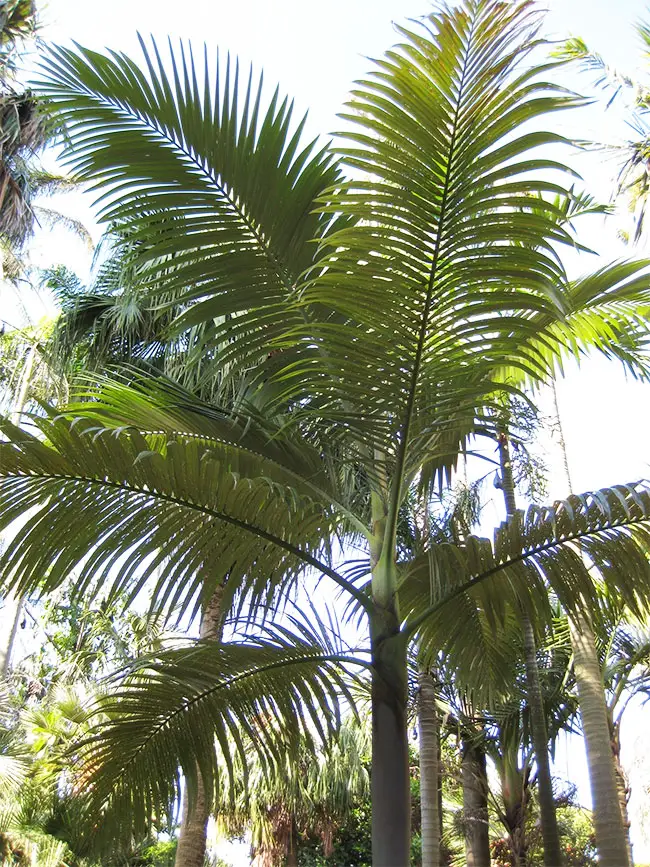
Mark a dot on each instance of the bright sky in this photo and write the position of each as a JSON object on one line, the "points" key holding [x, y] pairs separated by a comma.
{"points": [[315, 50]]}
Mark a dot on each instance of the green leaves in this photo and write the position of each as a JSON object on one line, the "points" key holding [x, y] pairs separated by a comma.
{"points": [[437, 240], [184, 506], [598, 538], [204, 709], [216, 192]]}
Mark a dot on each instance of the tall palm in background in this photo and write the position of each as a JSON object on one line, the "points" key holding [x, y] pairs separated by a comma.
{"points": [[634, 156], [23, 128], [433, 285], [25, 131]]}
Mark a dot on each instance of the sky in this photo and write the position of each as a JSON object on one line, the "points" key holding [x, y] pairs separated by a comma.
{"points": [[315, 50]]}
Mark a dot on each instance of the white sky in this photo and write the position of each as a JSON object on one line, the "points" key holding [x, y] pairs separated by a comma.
{"points": [[315, 50]]}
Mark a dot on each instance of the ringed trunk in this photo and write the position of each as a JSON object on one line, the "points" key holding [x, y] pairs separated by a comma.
{"points": [[621, 781], [193, 834], [612, 841]]}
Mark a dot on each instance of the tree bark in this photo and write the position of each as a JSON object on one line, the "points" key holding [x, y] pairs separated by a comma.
{"points": [[9, 621], [428, 726], [609, 809], [292, 853], [515, 794], [193, 834], [622, 786], [390, 779], [612, 840], [475, 805]]}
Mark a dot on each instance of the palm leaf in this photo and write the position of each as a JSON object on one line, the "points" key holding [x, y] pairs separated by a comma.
{"points": [[216, 193], [199, 710], [189, 508], [432, 282], [572, 548]]}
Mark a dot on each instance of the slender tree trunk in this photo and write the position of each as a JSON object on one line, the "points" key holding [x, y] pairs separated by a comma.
{"points": [[9, 620], [475, 805], [548, 817], [609, 810], [550, 833], [12, 604], [621, 779], [390, 780], [612, 840], [515, 821], [193, 835], [292, 854], [429, 731], [443, 851]]}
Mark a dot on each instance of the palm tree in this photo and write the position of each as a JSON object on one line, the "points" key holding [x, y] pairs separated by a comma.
{"points": [[429, 746], [429, 273], [634, 156], [312, 795], [212, 672], [25, 130], [610, 810]]}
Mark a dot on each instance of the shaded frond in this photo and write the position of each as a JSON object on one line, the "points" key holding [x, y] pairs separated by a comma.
{"points": [[216, 191], [185, 509], [201, 709], [571, 548]]}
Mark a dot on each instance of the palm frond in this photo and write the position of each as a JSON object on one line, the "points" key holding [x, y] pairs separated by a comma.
{"points": [[432, 282], [194, 508], [51, 217], [606, 311], [199, 710], [216, 192], [572, 548]]}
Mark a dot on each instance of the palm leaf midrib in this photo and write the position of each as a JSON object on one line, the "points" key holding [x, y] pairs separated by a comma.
{"points": [[396, 493], [531, 552], [145, 492]]}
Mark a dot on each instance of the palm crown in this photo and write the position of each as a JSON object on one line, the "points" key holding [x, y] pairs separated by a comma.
{"points": [[377, 316]]}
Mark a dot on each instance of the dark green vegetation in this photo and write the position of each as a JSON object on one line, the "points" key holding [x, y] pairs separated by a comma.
{"points": [[285, 353]]}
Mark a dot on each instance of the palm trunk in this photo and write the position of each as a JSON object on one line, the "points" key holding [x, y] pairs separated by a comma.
{"points": [[443, 851], [12, 603], [193, 834], [622, 785], [390, 780], [548, 817], [609, 810], [292, 853], [9, 620], [193, 837], [612, 841], [515, 795], [475, 805], [429, 770]]}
